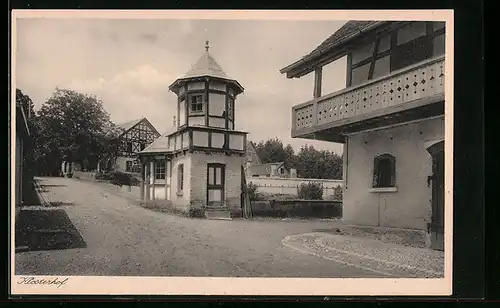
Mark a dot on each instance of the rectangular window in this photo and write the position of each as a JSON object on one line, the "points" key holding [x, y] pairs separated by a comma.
{"points": [[143, 146], [129, 147], [382, 67], [384, 171], [360, 74], [362, 53], [160, 169], [215, 184], [196, 103], [128, 166], [180, 178]]}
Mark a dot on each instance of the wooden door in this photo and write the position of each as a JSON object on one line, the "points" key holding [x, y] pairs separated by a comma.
{"points": [[437, 182], [215, 185]]}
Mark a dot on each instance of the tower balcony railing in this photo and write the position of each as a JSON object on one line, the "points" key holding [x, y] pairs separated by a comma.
{"points": [[409, 88]]}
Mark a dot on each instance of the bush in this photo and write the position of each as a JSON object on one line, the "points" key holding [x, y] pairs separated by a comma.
{"points": [[121, 178], [69, 175], [337, 194], [105, 176], [311, 191], [252, 192]]}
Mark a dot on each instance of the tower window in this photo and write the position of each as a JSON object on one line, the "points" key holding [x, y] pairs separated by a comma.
{"points": [[384, 171], [196, 103]]}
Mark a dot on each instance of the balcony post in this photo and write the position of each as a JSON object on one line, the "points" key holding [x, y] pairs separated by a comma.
{"points": [[318, 76]]}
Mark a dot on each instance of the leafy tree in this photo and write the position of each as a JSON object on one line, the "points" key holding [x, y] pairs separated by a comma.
{"points": [[273, 151], [309, 162], [312, 163], [73, 127]]}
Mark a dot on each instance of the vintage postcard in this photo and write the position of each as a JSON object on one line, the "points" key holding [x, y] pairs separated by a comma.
{"points": [[232, 152]]}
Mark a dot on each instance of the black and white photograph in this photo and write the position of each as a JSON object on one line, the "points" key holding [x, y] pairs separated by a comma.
{"points": [[199, 152]]}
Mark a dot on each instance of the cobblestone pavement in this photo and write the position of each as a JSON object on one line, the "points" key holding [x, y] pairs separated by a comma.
{"points": [[103, 233]]}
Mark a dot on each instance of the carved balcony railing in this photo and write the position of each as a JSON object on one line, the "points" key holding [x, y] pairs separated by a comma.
{"points": [[419, 85]]}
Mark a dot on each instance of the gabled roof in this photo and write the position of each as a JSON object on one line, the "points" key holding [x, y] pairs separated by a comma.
{"points": [[346, 33], [160, 145], [252, 154], [263, 169], [120, 129]]}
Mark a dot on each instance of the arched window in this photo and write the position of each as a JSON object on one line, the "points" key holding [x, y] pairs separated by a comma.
{"points": [[384, 171]]}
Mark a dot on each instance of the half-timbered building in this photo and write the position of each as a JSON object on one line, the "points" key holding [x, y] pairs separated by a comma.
{"points": [[197, 169], [134, 137], [389, 117]]}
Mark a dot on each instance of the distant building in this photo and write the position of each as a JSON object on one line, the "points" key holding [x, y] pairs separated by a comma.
{"points": [[390, 119], [272, 170]]}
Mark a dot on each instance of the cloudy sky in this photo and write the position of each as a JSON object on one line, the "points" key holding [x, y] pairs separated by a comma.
{"points": [[129, 64]]}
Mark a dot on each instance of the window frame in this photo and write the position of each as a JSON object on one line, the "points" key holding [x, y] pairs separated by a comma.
{"points": [[158, 169], [201, 103], [377, 171]]}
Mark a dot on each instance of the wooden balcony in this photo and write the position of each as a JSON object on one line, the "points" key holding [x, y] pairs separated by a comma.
{"points": [[405, 95]]}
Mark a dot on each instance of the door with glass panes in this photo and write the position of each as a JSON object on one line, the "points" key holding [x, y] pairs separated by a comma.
{"points": [[215, 185]]}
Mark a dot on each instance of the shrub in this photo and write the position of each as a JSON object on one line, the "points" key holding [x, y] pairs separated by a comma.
{"points": [[105, 176], [337, 194], [311, 191], [252, 192], [121, 178], [69, 175]]}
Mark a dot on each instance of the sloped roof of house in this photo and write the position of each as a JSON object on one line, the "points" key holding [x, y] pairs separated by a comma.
{"points": [[160, 145], [263, 169], [348, 31], [252, 154], [122, 128]]}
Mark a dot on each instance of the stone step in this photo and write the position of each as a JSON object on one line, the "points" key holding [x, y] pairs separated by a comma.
{"points": [[218, 214]]}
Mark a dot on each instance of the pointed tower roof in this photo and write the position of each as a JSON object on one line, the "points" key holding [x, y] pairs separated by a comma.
{"points": [[206, 66]]}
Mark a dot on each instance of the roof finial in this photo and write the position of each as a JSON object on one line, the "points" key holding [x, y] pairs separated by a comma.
{"points": [[206, 46]]}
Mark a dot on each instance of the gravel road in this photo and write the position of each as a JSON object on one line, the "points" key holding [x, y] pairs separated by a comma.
{"points": [[102, 233]]}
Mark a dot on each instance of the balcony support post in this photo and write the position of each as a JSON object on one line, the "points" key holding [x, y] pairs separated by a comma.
{"points": [[318, 77]]}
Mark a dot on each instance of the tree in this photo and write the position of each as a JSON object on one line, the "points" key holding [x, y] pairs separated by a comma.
{"points": [[272, 151], [72, 127], [311, 163]]}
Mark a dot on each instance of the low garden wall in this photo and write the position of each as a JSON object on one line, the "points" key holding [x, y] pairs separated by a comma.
{"points": [[297, 208]]}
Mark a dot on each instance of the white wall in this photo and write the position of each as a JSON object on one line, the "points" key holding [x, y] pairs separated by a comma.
{"points": [[290, 186]]}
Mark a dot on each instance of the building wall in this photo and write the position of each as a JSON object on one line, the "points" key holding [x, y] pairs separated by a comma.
{"points": [[410, 206], [233, 164], [121, 163], [181, 201]]}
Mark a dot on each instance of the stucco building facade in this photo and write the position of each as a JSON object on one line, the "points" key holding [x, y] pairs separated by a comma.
{"points": [[389, 118]]}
